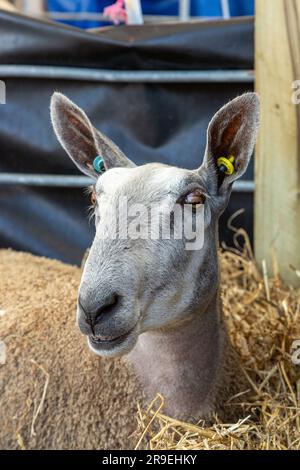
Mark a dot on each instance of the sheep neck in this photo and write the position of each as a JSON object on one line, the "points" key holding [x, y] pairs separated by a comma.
{"points": [[183, 363]]}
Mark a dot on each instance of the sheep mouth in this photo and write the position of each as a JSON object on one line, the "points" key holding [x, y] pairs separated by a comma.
{"points": [[109, 346], [98, 340]]}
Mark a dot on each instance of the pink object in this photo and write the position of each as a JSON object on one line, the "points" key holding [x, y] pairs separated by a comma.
{"points": [[116, 12]]}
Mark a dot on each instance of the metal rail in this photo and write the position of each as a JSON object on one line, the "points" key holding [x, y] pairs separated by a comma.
{"points": [[126, 76], [184, 10], [116, 76], [68, 181], [86, 16], [60, 181]]}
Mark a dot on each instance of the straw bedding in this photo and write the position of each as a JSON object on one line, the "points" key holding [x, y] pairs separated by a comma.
{"points": [[58, 398]]}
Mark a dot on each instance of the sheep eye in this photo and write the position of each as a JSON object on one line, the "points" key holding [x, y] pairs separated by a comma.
{"points": [[93, 198], [195, 198]]}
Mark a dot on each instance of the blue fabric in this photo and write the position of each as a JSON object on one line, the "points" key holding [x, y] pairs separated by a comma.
{"points": [[206, 8], [198, 7], [214, 8], [150, 7], [241, 7], [160, 7]]}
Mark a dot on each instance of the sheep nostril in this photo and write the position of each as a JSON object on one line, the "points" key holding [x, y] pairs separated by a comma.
{"points": [[92, 314], [107, 306]]}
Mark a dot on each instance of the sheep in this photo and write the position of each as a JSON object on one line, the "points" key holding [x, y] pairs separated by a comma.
{"points": [[156, 303], [147, 291]]}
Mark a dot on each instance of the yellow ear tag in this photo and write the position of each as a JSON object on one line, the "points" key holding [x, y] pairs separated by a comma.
{"points": [[226, 165]]}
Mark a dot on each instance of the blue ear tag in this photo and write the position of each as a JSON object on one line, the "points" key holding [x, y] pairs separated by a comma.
{"points": [[98, 164]]}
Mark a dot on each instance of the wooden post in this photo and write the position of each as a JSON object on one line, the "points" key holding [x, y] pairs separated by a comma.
{"points": [[277, 173]]}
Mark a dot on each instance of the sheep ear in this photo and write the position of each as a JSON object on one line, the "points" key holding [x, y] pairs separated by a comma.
{"points": [[231, 132], [81, 140]]}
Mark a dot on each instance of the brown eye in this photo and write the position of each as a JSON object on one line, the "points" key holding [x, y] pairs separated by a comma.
{"points": [[93, 198], [195, 198]]}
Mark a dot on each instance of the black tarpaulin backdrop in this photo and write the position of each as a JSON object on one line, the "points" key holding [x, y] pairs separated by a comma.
{"points": [[150, 122]]}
